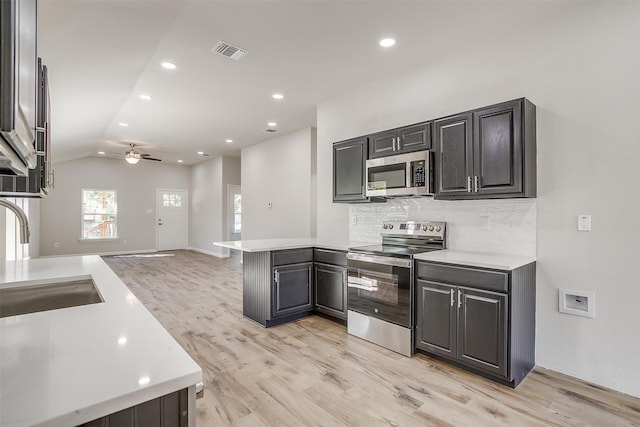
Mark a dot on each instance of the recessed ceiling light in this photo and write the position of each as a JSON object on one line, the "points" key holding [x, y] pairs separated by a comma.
{"points": [[200, 153], [228, 141], [272, 124], [169, 65], [277, 96], [387, 42], [102, 153], [180, 161], [123, 124], [145, 97]]}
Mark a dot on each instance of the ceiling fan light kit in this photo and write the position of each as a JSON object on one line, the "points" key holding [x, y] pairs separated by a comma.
{"points": [[132, 156]]}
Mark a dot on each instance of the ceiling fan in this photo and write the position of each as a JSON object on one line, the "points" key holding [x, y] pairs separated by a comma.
{"points": [[132, 156]]}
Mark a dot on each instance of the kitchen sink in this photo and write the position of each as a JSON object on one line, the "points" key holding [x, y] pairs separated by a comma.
{"points": [[48, 296]]}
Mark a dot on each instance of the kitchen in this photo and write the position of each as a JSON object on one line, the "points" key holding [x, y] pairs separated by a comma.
{"points": [[584, 167]]}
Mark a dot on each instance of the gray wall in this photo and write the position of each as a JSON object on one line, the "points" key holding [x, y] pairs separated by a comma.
{"points": [[209, 216], [581, 70], [279, 171], [60, 213]]}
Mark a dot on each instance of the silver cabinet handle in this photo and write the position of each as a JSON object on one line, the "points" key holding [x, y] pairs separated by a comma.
{"points": [[468, 184], [452, 297], [276, 276], [459, 298], [393, 144], [475, 183]]}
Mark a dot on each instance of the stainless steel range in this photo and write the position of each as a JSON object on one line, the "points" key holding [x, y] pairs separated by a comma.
{"points": [[380, 291]]}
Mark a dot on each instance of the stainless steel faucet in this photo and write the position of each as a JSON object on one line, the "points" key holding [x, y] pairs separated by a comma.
{"points": [[22, 218]]}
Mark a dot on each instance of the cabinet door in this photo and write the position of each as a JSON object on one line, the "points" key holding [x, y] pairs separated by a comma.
{"points": [[436, 318], [498, 155], [349, 170], [482, 327], [292, 289], [382, 143], [414, 138], [331, 290], [454, 151]]}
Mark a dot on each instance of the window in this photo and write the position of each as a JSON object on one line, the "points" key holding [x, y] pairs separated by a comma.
{"points": [[99, 214], [237, 213], [172, 200]]}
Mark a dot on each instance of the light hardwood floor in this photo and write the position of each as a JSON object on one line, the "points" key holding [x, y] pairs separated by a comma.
{"points": [[310, 372]]}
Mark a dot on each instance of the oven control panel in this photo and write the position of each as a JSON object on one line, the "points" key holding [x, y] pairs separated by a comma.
{"points": [[414, 228]]}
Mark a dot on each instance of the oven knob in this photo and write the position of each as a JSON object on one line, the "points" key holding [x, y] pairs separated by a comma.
{"points": [[431, 228], [385, 226], [438, 228], [424, 228], [390, 226]]}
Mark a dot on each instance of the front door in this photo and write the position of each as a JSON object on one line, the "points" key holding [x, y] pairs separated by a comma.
{"points": [[171, 219]]}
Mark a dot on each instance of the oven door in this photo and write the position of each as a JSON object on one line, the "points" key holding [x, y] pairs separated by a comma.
{"points": [[380, 287]]}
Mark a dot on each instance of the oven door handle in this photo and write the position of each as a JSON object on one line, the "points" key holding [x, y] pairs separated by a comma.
{"points": [[377, 259]]}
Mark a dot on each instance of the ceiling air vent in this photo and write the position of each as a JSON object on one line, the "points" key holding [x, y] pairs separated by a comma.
{"points": [[270, 130], [230, 51]]}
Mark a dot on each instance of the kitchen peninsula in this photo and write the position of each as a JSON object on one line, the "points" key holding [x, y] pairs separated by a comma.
{"points": [[279, 277], [70, 366]]}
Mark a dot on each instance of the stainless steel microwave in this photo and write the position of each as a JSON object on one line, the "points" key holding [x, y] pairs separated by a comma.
{"points": [[402, 175]]}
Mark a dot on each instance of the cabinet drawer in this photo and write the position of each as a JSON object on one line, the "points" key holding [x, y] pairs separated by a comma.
{"points": [[465, 276], [330, 257], [293, 256]]}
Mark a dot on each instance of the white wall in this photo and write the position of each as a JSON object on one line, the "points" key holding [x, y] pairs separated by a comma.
{"points": [[278, 171], [582, 71], [209, 216], [60, 212]]}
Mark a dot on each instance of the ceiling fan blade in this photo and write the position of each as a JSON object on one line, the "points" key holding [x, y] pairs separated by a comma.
{"points": [[150, 158]]}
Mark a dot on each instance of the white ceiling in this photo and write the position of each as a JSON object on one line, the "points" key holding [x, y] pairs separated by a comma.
{"points": [[102, 54]]}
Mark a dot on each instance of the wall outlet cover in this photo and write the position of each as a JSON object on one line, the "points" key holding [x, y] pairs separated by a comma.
{"points": [[578, 303]]}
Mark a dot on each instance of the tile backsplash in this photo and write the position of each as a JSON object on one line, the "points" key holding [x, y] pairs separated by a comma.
{"points": [[505, 226]]}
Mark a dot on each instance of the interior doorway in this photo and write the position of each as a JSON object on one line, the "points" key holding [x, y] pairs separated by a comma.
{"points": [[171, 219], [235, 212]]}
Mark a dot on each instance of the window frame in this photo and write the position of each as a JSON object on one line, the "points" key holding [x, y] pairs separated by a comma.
{"points": [[83, 237]]}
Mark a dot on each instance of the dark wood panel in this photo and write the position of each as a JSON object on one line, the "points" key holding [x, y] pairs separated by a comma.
{"points": [[415, 137], [464, 276], [292, 289], [328, 256], [256, 286], [349, 170], [292, 256], [482, 327], [522, 322], [454, 152], [330, 290], [436, 318], [382, 143]]}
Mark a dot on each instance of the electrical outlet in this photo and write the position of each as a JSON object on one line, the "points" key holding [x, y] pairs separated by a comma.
{"points": [[584, 222], [56, 245], [269, 205]]}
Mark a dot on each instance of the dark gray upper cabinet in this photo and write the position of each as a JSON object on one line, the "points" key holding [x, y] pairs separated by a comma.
{"points": [[483, 319], [487, 153], [39, 180], [349, 158], [402, 140], [18, 81]]}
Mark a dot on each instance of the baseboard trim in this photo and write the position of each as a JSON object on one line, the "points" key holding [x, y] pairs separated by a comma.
{"points": [[202, 251], [139, 251]]}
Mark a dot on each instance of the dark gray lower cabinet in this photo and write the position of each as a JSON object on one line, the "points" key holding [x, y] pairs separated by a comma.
{"points": [[482, 319], [292, 289], [169, 410], [330, 278], [331, 290]]}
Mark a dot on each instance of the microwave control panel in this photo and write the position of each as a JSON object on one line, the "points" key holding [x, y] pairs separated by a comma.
{"points": [[419, 173]]}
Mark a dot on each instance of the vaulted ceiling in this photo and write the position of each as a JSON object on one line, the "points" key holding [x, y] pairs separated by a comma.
{"points": [[102, 55]]}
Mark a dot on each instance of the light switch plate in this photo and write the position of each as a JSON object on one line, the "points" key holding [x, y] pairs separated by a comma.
{"points": [[584, 222]]}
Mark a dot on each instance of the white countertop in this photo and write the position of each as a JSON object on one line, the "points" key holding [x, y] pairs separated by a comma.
{"points": [[265, 245], [475, 259], [69, 366]]}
